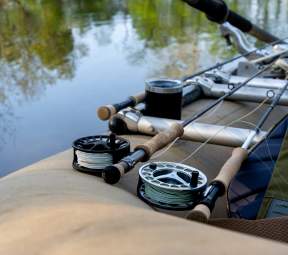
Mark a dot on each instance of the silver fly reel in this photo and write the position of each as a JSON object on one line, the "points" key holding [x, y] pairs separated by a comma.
{"points": [[171, 186]]}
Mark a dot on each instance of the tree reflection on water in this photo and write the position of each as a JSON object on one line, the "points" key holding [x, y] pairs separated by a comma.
{"points": [[37, 46]]}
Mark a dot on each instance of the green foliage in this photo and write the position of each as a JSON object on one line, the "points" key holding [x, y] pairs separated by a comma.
{"points": [[37, 45]]}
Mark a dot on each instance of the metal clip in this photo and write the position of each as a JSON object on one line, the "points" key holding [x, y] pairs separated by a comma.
{"points": [[218, 76]]}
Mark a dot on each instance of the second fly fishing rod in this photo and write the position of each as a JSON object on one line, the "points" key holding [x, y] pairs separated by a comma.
{"points": [[105, 112], [219, 185], [143, 152]]}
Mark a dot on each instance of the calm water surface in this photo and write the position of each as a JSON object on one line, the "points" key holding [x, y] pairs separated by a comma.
{"points": [[60, 60]]}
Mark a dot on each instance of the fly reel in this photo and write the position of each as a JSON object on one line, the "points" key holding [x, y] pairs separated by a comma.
{"points": [[93, 153], [170, 186]]}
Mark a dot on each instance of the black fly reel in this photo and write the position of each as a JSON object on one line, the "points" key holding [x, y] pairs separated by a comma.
{"points": [[93, 153], [171, 186]]}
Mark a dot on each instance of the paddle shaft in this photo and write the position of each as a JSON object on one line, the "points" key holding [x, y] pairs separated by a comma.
{"points": [[143, 152], [217, 11], [220, 184]]}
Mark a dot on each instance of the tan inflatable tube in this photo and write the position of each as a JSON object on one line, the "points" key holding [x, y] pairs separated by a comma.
{"points": [[48, 208]]}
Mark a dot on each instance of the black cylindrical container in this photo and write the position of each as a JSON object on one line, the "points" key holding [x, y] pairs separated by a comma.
{"points": [[164, 98]]}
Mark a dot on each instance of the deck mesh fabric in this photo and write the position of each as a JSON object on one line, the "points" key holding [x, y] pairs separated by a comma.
{"points": [[247, 190], [275, 229]]}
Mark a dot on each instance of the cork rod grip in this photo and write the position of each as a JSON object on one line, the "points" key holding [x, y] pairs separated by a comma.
{"points": [[139, 98], [200, 213], [231, 167], [105, 112], [161, 140]]}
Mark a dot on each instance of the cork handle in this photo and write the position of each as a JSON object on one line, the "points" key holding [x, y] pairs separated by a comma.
{"points": [[200, 213], [105, 112], [231, 166], [139, 98], [161, 140]]}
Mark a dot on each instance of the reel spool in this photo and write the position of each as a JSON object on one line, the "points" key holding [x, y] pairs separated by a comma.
{"points": [[93, 153], [170, 186]]}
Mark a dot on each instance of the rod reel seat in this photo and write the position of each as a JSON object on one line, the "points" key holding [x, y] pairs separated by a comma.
{"points": [[170, 186]]}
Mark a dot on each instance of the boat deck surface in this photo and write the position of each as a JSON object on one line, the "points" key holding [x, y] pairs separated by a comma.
{"points": [[49, 208]]}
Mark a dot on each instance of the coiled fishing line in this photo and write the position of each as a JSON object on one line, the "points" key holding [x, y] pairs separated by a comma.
{"points": [[94, 160], [93, 153], [171, 186]]}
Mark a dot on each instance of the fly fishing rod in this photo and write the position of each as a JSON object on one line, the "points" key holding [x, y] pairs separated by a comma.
{"points": [[105, 112], [217, 11], [220, 184], [143, 152]]}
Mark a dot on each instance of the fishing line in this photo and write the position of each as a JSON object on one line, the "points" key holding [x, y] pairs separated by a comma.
{"points": [[162, 152], [265, 139], [223, 128], [211, 113], [216, 103], [167, 185], [177, 186], [94, 160], [113, 173]]}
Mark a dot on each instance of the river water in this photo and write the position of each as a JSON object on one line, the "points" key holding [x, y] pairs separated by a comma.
{"points": [[60, 60]]}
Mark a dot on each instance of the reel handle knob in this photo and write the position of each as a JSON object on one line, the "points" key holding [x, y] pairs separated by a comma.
{"points": [[200, 213], [194, 179], [112, 174]]}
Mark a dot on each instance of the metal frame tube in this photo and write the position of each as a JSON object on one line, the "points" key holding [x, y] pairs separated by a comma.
{"points": [[259, 82], [197, 132], [249, 93], [201, 132]]}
